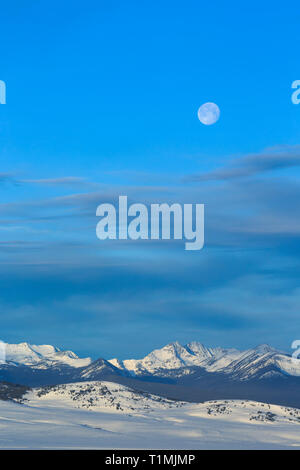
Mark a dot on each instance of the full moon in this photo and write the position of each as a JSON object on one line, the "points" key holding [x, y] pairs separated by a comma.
{"points": [[209, 113]]}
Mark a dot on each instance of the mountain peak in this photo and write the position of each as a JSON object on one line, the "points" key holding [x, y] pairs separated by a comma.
{"points": [[173, 344], [40, 355], [198, 348], [265, 348]]}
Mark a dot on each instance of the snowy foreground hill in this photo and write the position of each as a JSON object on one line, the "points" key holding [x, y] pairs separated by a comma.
{"points": [[98, 396], [111, 416]]}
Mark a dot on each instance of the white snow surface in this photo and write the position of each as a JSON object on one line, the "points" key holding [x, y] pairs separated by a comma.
{"points": [[111, 416]]}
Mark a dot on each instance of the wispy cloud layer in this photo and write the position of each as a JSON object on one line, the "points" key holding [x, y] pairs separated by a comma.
{"points": [[64, 181], [7, 178], [254, 164]]}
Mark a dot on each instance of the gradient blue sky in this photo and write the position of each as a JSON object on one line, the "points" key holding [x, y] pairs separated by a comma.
{"points": [[102, 100]]}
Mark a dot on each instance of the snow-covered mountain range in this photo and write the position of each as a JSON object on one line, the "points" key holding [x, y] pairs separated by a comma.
{"points": [[173, 360], [260, 362]]}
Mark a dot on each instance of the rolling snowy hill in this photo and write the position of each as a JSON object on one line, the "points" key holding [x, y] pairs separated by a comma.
{"points": [[98, 396], [108, 396], [105, 415]]}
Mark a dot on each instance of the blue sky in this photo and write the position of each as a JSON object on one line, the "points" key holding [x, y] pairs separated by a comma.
{"points": [[102, 100]]}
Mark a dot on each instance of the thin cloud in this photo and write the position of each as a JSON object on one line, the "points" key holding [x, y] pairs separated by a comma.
{"points": [[7, 178], [253, 164], [67, 181], [63, 181]]}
